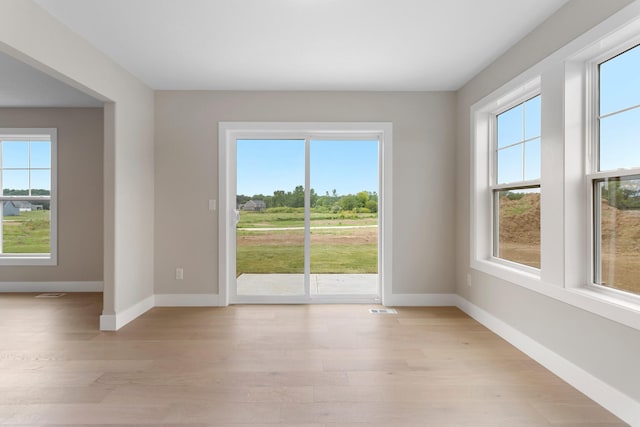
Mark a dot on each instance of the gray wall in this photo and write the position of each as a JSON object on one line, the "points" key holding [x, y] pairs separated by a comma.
{"points": [[32, 35], [186, 176], [80, 206], [606, 349]]}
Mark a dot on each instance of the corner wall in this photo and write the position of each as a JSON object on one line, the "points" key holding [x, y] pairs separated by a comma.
{"points": [[604, 349], [30, 34]]}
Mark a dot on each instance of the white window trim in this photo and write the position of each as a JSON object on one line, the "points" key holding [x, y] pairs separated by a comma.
{"points": [[484, 158], [228, 132], [566, 219], [52, 257]]}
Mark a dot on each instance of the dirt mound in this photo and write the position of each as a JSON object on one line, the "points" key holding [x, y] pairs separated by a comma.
{"points": [[293, 237], [520, 219], [620, 230]]}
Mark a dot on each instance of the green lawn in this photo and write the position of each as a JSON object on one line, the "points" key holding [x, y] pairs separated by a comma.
{"points": [[342, 259], [28, 232], [337, 250]]}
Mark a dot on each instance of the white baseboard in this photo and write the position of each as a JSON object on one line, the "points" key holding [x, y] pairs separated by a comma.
{"points": [[61, 286], [420, 300], [610, 398], [187, 300], [113, 322], [108, 322]]}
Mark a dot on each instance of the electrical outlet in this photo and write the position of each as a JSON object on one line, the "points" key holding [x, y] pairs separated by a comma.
{"points": [[179, 273]]}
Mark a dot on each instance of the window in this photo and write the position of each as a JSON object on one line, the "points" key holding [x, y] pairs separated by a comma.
{"points": [[516, 184], [615, 173], [27, 180], [588, 223], [229, 135]]}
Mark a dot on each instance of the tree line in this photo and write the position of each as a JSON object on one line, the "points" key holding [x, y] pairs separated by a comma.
{"points": [[34, 192], [621, 194], [363, 201]]}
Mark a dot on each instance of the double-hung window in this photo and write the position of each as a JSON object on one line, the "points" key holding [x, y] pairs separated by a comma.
{"points": [[515, 185], [28, 196], [614, 175], [562, 217]]}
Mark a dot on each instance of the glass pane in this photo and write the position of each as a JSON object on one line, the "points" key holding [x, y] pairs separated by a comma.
{"points": [[532, 113], [532, 159], [510, 164], [620, 82], [617, 255], [15, 182], [40, 182], [620, 140], [510, 126], [26, 227], [518, 213], [270, 233], [344, 217], [41, 154], [15, 154]]}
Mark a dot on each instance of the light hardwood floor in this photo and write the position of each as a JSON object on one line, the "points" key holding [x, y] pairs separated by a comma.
{"points": [[321, 365]]}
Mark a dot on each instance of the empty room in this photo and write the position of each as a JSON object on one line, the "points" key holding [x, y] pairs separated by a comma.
{"points": [[319, 213]]}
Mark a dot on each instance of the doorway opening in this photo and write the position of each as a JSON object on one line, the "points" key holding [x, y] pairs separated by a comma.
{"points": [[302, 214]]}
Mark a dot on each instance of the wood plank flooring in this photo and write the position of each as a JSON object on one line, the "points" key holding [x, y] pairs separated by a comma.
{"points": [[320, 365]]}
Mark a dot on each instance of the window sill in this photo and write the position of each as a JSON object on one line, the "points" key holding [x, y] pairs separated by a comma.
{"points": [[27, 260], [511, 272], [602, 302], [623, 309]]}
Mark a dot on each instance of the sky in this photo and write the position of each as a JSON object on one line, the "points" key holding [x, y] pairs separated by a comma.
{"points": [[264, 166], [519, 162], [620, 133], [15, 165], [619, 108]]}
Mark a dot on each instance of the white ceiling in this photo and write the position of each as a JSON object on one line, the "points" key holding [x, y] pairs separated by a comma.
{"points": [[384, 45], [23, 86]]}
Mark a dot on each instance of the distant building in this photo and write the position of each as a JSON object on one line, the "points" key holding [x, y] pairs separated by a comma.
{"points": [[10, 209], [13, 208], [255, 206]]}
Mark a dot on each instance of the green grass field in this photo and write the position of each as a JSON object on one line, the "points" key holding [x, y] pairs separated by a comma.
{"points": [[343, 259], [338, 250], [28, 232]]}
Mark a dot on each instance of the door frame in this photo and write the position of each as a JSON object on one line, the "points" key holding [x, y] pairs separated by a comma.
{"points": [[229, 132]]}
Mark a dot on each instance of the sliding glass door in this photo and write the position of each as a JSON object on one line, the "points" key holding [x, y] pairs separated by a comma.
{"points": [[306, 219]]}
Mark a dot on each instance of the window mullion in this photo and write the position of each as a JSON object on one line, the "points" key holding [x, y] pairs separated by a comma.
{"points": [[517, 185], [524, 135], [307, 217], [618, 173], [613, 113]]}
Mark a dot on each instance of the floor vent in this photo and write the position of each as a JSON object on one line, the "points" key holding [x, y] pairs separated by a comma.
{"points": [[51, 295], [382, 311]]}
